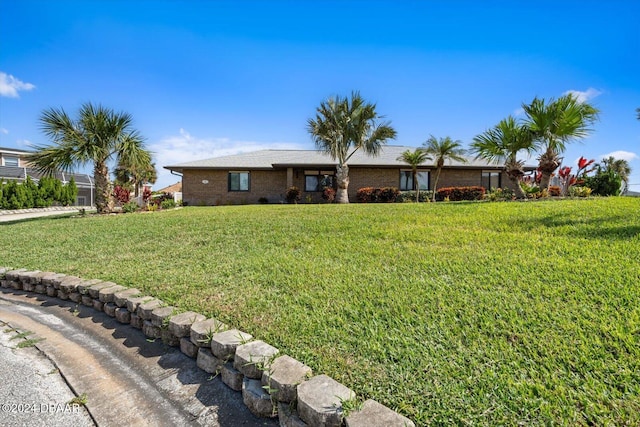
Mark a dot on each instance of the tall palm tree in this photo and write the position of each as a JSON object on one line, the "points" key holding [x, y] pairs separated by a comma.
{"points": [[502, 143], [621, 167], [443, 149], [98, 136], [554, 124], [343, 126], [415, 159]]}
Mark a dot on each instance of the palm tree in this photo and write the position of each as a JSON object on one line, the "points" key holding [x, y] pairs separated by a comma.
{"points": [[556, 123], [342, 127], [98, 136], [415, 159], [502, 143], [443, 149], [621, 167], [132, 176]]}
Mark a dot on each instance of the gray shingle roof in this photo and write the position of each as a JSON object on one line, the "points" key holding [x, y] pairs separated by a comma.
{"points": [[271, 159]]}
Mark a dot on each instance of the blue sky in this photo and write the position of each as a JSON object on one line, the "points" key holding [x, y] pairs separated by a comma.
{"points": [[209, 78]]}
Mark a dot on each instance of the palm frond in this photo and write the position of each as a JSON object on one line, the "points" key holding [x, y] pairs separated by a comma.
{"points": [[444, 149], [344, 125]]}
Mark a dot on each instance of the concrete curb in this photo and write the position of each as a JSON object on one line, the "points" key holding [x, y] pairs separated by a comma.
{"points": [[244, 364]]}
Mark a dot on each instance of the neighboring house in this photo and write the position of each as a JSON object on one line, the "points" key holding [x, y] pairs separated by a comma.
{"points": [[14, 167], [12, 157], [174, 190], [266, 174]]}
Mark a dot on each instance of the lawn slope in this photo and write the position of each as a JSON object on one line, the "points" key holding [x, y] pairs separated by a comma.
{"points": [[451, 313]]}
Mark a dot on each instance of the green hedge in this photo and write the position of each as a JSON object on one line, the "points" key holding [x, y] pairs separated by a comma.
{"points": [[47, 192]]}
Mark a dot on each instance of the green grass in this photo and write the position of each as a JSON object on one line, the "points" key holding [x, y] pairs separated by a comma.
{"points": [[450, 313]]}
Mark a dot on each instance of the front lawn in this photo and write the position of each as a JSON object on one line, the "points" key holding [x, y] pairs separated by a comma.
{"points": [[471, 313]]}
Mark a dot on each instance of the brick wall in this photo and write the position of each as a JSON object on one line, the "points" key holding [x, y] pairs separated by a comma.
{"points": [[269, 184], [272, 184]]}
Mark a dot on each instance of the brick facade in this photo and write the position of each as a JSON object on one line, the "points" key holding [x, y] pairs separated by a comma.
{"points": [[272, 184]]}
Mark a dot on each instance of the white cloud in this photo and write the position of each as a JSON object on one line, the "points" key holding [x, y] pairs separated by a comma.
{"points": [[584, 96], [4, 131], [9, 85], [182, 148], [624, 155]]}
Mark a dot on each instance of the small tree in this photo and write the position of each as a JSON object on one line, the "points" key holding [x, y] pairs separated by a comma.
{"points": [[554, 124], [98, 136], [443, 149], [343, 126], [502, 143], [415, 159]]}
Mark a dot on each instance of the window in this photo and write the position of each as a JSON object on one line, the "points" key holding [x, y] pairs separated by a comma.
{"points": [[11, 161], [318, 180], [406, 180], [238, 181], [490, 180]]}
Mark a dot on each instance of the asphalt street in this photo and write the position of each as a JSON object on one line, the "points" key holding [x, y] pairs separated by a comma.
{"points": [[33, 392], [126, 379]]}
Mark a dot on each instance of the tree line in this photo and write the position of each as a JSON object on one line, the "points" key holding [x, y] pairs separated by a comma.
{"points": [[341, 126]]}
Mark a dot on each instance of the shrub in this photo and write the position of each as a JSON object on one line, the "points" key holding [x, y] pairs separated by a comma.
{"points": [[328, 194], [293, 195], [49, 190], [29, 194], [555, 191], [130, 207], [377, 195], [579, 191], [499, 194], [410, 196], [604, 183], [69, 193], [365, 195], [456, 194], [121, 194], [167, 204], [388, 194], [146, 195]]}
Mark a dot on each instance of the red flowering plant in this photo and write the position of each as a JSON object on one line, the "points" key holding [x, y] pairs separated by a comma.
{"points": [[122, 195], [146, 195], [583, 164], [567, 179]]}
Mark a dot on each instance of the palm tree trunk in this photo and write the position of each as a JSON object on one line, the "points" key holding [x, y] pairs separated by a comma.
{"points": [[342, 180], [103, 187], [548, 164], [517, 189], [435, 184], [416, 185], [514, 172]]}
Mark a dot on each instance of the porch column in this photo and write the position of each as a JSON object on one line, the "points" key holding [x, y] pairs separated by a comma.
{"points": [[289, 177]]}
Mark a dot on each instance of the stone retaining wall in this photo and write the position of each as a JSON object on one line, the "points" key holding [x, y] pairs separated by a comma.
{"points": [[272, 384]]}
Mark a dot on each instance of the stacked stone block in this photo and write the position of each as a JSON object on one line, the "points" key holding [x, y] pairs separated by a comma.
{"points": [[271, 384]]}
